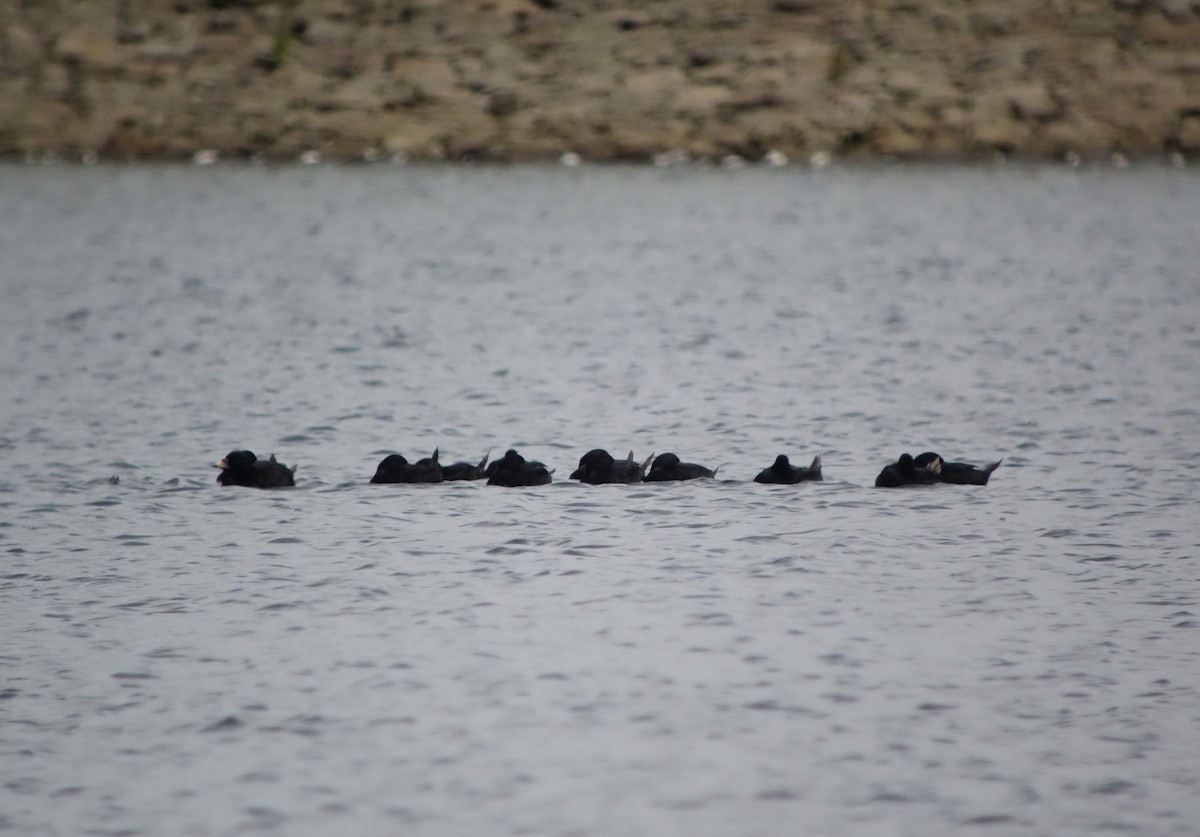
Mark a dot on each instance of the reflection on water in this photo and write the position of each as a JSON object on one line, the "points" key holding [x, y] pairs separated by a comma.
{"points": [[713, 657]]}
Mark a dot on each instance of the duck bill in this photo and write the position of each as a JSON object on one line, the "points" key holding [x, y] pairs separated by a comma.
{"points": [[220, 465]]}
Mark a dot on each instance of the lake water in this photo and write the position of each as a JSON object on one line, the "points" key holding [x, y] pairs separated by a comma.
{"points": [[707, 658]]}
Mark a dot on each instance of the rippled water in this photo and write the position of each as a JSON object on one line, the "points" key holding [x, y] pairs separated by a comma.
{"points": [[708, 658]]}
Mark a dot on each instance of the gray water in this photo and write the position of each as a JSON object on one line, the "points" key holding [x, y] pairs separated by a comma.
{"points": [[706, 658]]}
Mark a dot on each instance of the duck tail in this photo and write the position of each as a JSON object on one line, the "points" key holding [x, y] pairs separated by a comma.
{"points": [[646, 464], [987, 470], [815, 467], [435, 456], [483, 462], [292, 469]]}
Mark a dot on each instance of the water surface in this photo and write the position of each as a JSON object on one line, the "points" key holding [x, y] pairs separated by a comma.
{"points": [[708, 658]]}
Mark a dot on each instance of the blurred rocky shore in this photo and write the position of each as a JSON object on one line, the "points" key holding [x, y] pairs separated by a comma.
{"points": [[531, 79]]}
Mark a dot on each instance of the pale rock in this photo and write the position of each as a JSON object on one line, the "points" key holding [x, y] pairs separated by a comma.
{"points": [[20, 51], [90, 50]]}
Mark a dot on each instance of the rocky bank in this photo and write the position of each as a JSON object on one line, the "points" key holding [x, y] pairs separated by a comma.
{"points": [[522, 79]]}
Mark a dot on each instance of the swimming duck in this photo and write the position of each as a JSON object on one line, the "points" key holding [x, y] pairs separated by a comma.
{"points": [[785, 473], [242, 467], [597, 466], [465, 470], [668, 467], [395, 468], [959, 473], [513, 470], [904, 471]]}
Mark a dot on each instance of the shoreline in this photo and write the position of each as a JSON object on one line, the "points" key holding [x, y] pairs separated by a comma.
{"points": [[207, 158], [530, 80]]}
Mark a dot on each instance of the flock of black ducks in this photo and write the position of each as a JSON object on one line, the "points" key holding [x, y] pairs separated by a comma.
{"points": [[596, 467]]}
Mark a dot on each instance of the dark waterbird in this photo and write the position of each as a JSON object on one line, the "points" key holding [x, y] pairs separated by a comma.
{"points": [[668, 467], [904, 472], [597, 467], [783, 472], [514, 470], [242, 467], [959, 473], [395, 468], [466, 470]]}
